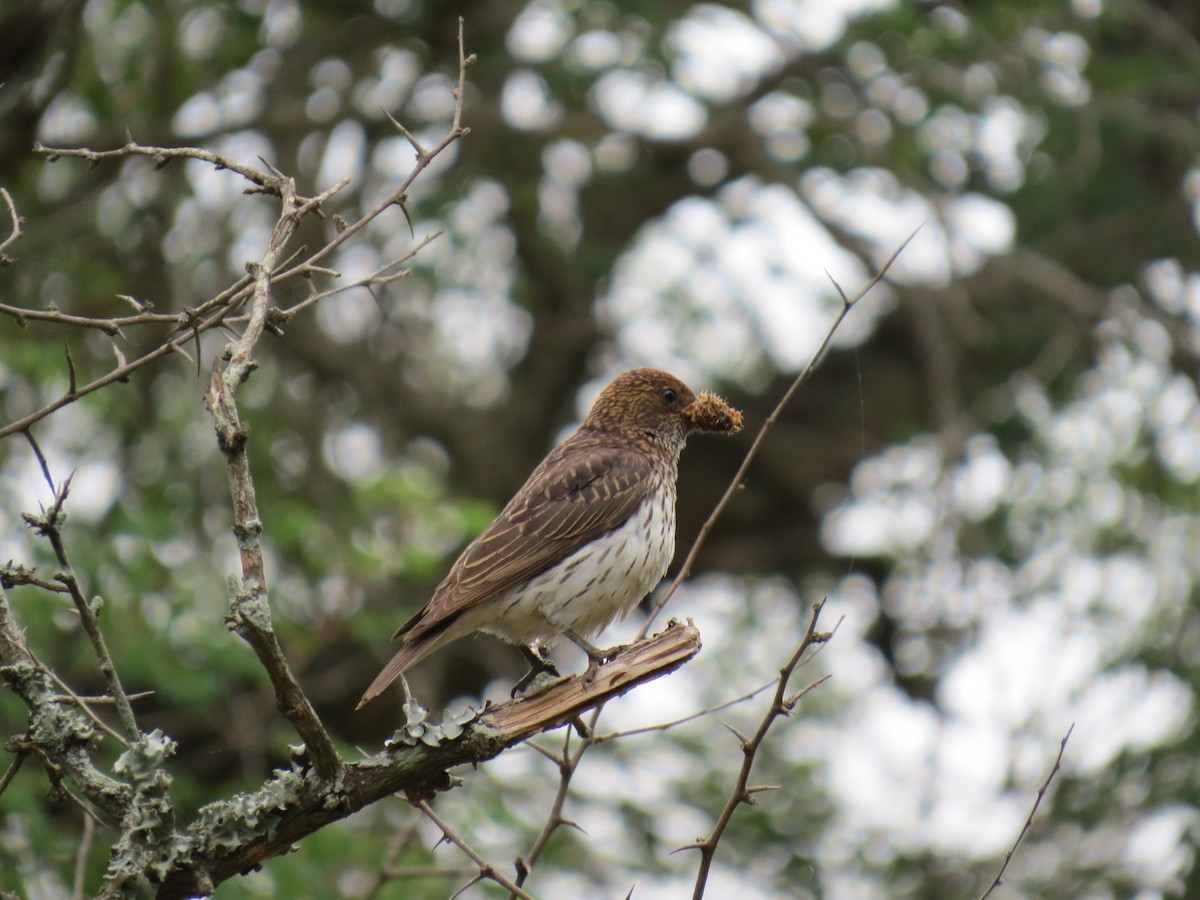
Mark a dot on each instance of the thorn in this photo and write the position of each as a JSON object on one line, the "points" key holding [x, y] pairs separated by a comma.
{"points": [[762, 788], [177, 349], [571, 823], [37, 451], [422, 153], [742, 738], [134, 302], [837, 287], [407, 218], [470, 884], [70, 371]]}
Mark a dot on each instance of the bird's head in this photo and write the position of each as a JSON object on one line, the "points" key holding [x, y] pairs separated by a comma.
{"points": [[647, 405]]}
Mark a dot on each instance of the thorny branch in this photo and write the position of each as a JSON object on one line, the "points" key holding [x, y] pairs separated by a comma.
{"points": [[192, 862], [297, 803], [15, 233], [249, 612], [486, 870], [1012, 851], [49, 526], [59, 738], [217, 311], [736, 483], [569, 761], [265, 183], [781, 705]]}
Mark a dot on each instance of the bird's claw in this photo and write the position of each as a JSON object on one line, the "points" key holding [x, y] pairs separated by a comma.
{"points": [[539, 666]]}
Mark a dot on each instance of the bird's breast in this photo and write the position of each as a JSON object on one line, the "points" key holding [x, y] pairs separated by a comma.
{"points": [[600, 582]]}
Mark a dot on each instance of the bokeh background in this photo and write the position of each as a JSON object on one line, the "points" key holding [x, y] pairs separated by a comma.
{"points": [[993, 476]]}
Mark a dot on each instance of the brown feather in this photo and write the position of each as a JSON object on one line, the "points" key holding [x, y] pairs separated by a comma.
{"points": [[406, 656], [586, 487]]}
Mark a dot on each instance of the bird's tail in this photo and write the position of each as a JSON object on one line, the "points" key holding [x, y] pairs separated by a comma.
{"points": [[405, 657]]}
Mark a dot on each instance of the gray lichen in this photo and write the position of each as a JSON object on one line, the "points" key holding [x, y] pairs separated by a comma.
{"points": [[418, 729]]}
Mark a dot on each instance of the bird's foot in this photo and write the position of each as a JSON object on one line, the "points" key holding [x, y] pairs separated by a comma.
{"points": [[596, 657], [540, 669]]}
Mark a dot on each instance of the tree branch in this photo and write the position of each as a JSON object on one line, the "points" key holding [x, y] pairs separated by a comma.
{"points": [[60, 737], [249, 612], [14, 233], [49, 526], [1012, 851], [735, 485], [781, 705], [486, 869], [265, 183], [230, 837], [214, 312]]}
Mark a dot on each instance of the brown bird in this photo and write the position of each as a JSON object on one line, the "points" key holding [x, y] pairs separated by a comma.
{"points": [[583, 541]]}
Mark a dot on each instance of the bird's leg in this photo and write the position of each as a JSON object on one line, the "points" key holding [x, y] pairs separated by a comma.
{"points": [[538, 665], [596, 658]]}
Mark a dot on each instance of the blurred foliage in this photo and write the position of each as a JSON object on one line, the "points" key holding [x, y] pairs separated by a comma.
{"points": [[993, 476]]}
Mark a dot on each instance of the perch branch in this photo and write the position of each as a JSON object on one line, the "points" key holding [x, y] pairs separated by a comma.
{"points": [[229, 837]]}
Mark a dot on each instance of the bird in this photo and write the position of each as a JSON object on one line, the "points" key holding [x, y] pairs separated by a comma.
{"points": [[587, 537]]}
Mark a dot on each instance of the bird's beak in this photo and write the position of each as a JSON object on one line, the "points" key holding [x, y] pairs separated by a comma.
{"points": [[710, 413]]}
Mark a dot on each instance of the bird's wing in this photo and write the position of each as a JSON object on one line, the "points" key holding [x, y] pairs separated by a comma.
{"points": [[583, 489]]}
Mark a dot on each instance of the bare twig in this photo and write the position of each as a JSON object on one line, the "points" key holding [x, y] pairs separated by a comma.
{"points": [[15, 232], [15, 575], [486, 869], [396, 198], [215, 311], [100, 700], [383, 275], [81, 855], [847, 304], [85, 706], [999, 879], [11, 772], [388, 869], [121, 373], [674, 723], [781, 705], [263, 182], [49, 526], [567, 763], [110, 326], [398, 873], [249, 612]]}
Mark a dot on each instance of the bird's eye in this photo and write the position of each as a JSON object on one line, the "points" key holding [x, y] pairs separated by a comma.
{"points": [[669, 395]]}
